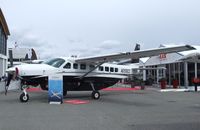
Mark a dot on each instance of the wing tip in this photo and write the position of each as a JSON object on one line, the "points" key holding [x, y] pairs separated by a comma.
{"points": [[190, 47]]}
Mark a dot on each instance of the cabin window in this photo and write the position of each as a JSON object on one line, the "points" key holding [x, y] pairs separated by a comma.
{"points": [[111, 69], [83, 66], [92, 67], [116, 69], [75, 66], [67, 66], [100, 68], [107, 69]]}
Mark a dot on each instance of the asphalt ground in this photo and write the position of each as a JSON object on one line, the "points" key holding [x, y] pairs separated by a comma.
{"points": [[115, 110]]}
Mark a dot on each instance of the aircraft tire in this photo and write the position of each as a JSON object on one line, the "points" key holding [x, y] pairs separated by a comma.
{"points": [[24, 97], [95, 95]]}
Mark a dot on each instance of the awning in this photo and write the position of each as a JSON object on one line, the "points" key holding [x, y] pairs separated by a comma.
{"points": [[192, 57]]}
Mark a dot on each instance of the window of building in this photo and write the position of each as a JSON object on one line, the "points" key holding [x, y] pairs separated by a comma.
{"points": [[67, 66], [191, 72], [4, 45], [83, 66], [92, 67], [2, 42]]}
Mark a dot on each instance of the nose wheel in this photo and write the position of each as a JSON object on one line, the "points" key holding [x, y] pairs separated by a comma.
{"points": [[24, 97]]}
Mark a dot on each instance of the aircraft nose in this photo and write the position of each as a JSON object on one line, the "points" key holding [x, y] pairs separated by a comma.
{"points": [[10, 70], [13, 71]]}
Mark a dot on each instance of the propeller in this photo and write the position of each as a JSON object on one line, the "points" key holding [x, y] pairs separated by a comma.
{"points": [[8, 83], [11, 76]]}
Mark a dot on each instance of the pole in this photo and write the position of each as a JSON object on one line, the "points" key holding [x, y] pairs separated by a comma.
{"points": [[186, 74], [195, 69]]}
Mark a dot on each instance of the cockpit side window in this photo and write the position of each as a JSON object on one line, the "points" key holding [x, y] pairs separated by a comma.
{"points": [[56, 62], [67, 66], [100, 68]]}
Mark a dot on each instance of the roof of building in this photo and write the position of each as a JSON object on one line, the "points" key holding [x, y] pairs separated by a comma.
{"points": [[3, 23], [23, 53], [173, 57], [184, 53]]}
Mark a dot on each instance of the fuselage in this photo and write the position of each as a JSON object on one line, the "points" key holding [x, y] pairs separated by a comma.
{"points": [[76, 76]]}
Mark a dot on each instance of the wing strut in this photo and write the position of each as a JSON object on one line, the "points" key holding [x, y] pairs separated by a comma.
{"points": [[81, 77]]}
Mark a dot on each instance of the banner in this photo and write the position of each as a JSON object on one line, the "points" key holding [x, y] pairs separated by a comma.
{"points": [[55, 85]]}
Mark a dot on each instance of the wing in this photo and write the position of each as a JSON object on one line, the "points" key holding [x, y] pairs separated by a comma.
{"points": [[135, 54]]}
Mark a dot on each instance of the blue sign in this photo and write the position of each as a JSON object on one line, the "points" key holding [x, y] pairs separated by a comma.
{"points": [[55, 85]]}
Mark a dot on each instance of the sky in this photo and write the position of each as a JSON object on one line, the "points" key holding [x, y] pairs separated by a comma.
{"points": [[98, 27]]}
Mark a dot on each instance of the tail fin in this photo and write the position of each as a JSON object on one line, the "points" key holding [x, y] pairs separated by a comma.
{"points": [[34, 56], [137, 47]]}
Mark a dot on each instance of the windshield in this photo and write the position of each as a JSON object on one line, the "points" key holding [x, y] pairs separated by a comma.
{"points": [[56, 62]]}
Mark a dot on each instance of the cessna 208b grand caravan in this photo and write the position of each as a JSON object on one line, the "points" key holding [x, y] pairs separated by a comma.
{"points": [[83, 74]]}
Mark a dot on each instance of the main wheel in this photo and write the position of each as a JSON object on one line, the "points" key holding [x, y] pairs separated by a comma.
{"points": [[95, 95], [24, 97]]}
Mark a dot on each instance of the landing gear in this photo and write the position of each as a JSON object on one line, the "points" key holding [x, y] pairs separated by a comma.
{"points": [[24, 97], [95, 94], [64, 92]]}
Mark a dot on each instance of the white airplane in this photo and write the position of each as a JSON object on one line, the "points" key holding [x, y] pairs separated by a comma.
{"points": [[83, 74]]}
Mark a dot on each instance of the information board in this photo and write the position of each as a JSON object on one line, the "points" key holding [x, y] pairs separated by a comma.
{"points": [[55, 85]]}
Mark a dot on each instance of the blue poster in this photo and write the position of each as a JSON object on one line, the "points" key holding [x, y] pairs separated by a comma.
{"points": [[55, 84]]}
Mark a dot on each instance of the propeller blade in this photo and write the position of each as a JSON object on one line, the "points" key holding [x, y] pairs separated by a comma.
{"points": [[10, 76], [13, 76]]}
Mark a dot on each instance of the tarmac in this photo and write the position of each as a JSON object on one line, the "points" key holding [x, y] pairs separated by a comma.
{"points": [[147, 109]]}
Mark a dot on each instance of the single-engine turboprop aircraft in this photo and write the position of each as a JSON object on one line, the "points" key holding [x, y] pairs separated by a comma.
{"points": [[83, 74]]}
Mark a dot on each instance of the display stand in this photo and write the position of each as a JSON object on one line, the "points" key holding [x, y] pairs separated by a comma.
{"points": [[55, 86]]}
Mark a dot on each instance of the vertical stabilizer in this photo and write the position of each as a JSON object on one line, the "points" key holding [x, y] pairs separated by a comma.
{"points": [[137, 47]]}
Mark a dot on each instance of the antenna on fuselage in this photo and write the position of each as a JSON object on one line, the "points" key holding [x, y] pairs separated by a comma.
{"points": [[74, 56]]}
